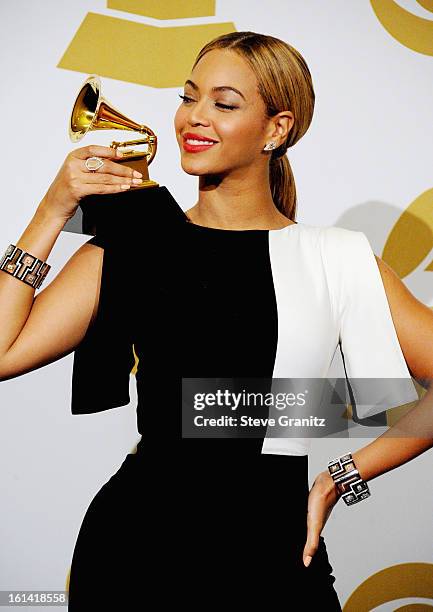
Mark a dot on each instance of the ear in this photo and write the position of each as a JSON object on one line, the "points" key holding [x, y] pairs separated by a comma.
{"points": [[280, 126]]}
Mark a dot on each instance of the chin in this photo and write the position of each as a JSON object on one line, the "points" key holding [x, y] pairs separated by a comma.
{"points": [[195, 169]]}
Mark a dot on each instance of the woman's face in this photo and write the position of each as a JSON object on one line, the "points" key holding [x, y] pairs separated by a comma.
{"points": [[235, 120]]}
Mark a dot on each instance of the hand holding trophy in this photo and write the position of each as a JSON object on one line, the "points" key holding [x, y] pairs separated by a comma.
{"points": [[91, 112]]}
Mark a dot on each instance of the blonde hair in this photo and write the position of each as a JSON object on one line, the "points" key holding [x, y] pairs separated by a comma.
{"points": [[285, 83]]}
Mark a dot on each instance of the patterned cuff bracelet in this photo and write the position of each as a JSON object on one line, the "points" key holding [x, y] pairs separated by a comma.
{"points": [[349, 483], [24, 266]]}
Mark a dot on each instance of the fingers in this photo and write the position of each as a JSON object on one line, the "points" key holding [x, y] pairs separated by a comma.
{"points": [[313, 533], [113, 168], [314, 527], [96, 151], [321, 500], [93, 178], [310, 547], [111, 177], [109, 167], [95, 188]]}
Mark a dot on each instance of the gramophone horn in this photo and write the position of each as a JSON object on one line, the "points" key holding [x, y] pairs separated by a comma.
{"points": [[91, 111]]}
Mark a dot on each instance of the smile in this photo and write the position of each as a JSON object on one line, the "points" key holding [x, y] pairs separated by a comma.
{"points": [[195, 146]]}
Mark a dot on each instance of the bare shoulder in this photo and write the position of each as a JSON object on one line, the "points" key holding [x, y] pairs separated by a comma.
{"points": [[395, 288], [413, 321]]}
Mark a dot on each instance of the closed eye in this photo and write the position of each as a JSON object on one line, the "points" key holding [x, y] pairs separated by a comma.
{"points": [[187, 100]]}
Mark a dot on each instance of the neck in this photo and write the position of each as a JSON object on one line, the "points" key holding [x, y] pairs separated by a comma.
{"points": [[239, 200]]}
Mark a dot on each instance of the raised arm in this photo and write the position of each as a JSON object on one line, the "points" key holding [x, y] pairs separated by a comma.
{"points": [[38, 330]]}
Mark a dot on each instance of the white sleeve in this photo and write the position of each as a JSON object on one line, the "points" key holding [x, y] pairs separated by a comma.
{"points": [[368, 340]]}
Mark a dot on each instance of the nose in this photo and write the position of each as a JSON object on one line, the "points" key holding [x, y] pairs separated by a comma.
{"points": [[197, 114]]}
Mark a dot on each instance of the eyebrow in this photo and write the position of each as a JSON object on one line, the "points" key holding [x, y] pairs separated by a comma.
{"points": [[220, 88]]}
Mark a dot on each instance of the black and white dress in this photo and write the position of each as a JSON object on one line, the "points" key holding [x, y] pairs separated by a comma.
{"points": [[201, 522]]}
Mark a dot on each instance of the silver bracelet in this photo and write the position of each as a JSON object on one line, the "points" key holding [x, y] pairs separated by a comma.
{"points": [[350, 486], [24, 266]]}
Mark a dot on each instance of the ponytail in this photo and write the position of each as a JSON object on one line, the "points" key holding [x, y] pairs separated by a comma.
{"points": [[283, 186]]}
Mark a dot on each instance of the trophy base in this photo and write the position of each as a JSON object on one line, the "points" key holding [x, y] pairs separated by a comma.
{"points": [[138, 162], [145, 184]]}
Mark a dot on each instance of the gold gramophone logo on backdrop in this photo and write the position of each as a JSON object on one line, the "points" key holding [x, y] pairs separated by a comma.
{"points": [[410, 242], [413, 32], [402, 581], [150, 55]]}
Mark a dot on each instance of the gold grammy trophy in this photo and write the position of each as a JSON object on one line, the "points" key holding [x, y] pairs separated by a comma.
{"points": [[91, 111]]}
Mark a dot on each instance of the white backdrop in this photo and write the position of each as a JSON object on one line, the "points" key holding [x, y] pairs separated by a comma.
{"points": [[364, 160]]}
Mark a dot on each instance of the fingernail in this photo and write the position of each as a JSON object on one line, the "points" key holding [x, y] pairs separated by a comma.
{"points": [[125, 186], [138, 174], [137, 181], [307, 561]]}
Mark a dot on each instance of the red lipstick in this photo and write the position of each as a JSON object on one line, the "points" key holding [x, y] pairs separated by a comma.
{"points": [[192, 147]]}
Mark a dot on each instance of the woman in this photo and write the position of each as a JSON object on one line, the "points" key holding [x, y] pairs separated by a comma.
{"points": [[234, 287]]}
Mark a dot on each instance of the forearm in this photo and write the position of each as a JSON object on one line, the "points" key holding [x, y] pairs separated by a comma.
{"points": [[411, 436], [16, 297], [406, 439]]}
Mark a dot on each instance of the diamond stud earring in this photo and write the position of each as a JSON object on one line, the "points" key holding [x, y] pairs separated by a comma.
{"points": [[270, 145]]}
